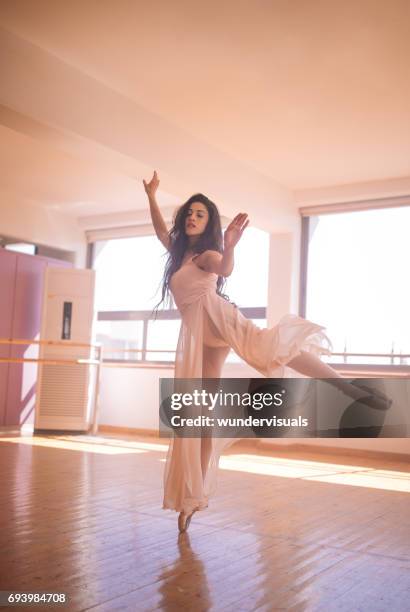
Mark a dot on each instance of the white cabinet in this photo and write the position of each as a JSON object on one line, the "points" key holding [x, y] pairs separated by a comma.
{"points": [[66, 391]]}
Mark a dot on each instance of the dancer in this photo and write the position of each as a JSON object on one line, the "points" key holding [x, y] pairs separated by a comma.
{"points": [[199, 260]]}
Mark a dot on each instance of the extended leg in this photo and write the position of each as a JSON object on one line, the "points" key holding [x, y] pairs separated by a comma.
{"points": [[310, 365]]}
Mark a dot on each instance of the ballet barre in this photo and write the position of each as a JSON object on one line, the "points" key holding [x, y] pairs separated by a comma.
{"points": [[113, 349], [393, 355], [48, 361], [49, 342], [97, 362]]}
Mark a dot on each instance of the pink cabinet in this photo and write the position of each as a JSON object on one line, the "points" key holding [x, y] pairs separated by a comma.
{"points": [[8, 266], [21, 292]]}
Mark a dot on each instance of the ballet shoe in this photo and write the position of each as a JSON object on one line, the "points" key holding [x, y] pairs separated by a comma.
{"points": [[376, 399], [184, 521]]}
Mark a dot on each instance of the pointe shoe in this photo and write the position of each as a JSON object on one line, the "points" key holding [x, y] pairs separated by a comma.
{"points": [[376, 398], [184, 520]]}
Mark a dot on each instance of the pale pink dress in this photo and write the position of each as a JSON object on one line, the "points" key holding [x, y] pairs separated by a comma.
{"points": [[208, 319]]}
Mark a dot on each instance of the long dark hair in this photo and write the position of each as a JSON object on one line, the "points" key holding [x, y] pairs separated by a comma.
{"points": [[211, 238]]}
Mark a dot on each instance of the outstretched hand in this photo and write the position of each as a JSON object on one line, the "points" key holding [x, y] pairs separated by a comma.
{"points": [[235, 229], [152, 186]]}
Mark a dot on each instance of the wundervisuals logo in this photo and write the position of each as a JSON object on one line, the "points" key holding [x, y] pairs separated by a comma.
{"points": [[296, 407]]}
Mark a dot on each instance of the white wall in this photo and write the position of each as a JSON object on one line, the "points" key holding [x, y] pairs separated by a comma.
{"points": [[130, 398], [283, 285], [34, 223], [334, 194]]}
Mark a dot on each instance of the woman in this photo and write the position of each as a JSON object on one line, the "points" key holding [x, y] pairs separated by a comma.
{"points": [[199, 260]]}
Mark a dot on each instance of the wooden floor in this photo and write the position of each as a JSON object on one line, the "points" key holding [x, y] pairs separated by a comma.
{"points": [[83, 516]]}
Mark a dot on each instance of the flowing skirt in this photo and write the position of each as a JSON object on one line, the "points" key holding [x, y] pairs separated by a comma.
{"points": [[213, 321]]}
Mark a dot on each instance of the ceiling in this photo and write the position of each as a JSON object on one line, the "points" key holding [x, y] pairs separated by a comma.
{"points": [[249, 102]]}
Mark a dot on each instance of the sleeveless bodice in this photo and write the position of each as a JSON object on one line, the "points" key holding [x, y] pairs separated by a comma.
{"points": [[189, 283]]}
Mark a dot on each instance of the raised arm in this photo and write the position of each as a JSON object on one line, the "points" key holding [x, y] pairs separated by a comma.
{"points": [[158, 222], [212, 261]]}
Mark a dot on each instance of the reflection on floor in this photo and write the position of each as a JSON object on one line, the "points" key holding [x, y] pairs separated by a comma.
{"points": [[82, 515]]}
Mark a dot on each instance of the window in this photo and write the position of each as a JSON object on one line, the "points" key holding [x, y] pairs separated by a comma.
{"points": [[357, 282], [126, 336], [22, 247], [129, 275], [248, 283], [129, 271], [12, 243]]}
